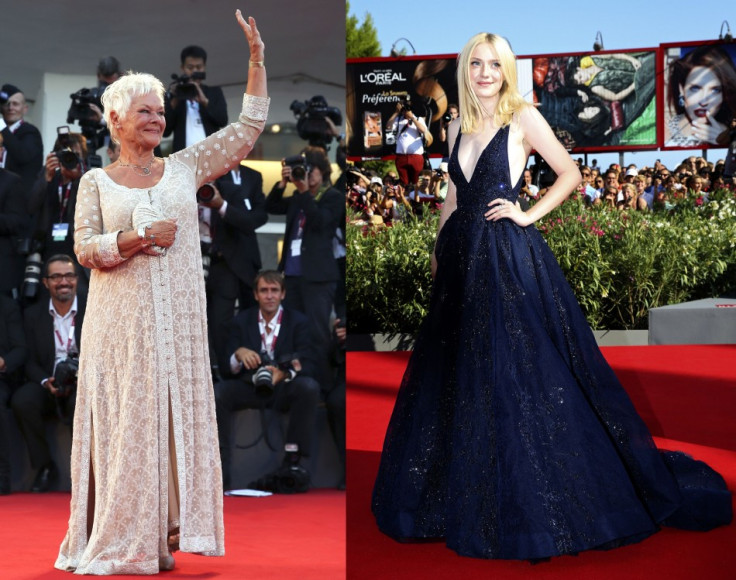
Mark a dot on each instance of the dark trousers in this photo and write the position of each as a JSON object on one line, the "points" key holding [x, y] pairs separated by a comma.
{"points": [[299, 397], [31, 404], [5, 392], [315, 300], [335, 403], [223, 288]]}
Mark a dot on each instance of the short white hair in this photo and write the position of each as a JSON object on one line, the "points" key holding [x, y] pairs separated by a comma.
{"points": [[120, 94]]}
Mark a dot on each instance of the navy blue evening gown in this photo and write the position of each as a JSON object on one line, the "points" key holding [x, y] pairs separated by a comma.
{"points": [[511, 436]]}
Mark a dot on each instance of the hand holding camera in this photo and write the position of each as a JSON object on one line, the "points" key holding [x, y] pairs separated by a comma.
{"points": [[209, 196], [249, 358]]}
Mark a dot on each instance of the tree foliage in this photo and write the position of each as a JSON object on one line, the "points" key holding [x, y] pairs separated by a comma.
{"points": [[362, 39]]}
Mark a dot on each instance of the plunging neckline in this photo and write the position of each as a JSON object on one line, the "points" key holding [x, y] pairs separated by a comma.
{"points": [[457, 154]]}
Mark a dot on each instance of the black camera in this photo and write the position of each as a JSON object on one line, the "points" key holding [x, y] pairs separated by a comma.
{"points": [[64, 153], [185, 87], [311, 124], [405, 104], [263, 377], [32, 275], [65, 376], [206, 193], [447, 118], [299, 166], [80, 108]]}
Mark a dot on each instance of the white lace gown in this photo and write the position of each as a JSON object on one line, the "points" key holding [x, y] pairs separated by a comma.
{"points": [[145, 456]]}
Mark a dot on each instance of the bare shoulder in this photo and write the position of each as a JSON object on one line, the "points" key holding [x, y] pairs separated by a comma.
{"points": [[453, 128]]}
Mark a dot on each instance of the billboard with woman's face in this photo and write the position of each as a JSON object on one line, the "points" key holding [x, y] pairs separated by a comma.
{"points": [[699, 84]]}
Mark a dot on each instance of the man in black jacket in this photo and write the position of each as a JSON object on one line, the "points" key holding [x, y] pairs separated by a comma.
{"points": [[193, 110], [274, 339], [21, 147], [53, 201], [53, 335], [313, 214], [228, 224], [13, 225]]}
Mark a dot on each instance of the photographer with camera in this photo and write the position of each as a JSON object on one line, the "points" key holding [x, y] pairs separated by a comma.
{"points": [[453, 111], [54, 198], [313, 214], [53, 330], [193, 110], [269, 355], [230, 212], [410, 130]]}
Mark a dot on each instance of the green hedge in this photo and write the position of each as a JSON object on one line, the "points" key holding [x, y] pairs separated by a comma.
{"points": [[620, 264]]}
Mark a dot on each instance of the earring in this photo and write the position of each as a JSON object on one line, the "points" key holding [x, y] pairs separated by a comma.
{"points": [[681, 101]]}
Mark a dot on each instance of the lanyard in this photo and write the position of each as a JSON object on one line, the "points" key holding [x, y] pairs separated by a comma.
{"points": [[64, 199], [69, 337], [273, 336]]}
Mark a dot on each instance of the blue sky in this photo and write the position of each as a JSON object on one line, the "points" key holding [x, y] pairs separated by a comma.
{"points": [[539, 27]]}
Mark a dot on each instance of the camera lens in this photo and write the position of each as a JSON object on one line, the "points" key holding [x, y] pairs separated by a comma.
{"points": [[205, 193], [32, 276], [68, 159]]}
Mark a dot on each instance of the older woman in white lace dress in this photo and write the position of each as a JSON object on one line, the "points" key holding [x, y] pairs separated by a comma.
{"points": [[145, 462]]}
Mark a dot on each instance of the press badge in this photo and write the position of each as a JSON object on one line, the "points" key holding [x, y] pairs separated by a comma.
{"points": [[60, 232], [296, 247]]}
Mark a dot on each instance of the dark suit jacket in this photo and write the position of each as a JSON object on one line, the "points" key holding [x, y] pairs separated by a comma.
{"points": [[24, 153], [214, 116], [293, 339], [39, 328], [12, 339], [13, 224], [44, 202], [235, 234], [321, 223]]}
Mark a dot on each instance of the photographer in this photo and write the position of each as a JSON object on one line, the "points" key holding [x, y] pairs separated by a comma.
{"points": [[313, 214], [54, 198], [269, 355], [230, 212], [193, 110], [453, 111], [410, 130], [53, 330]]}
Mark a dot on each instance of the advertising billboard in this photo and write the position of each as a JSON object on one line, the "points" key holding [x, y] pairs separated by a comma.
{"points": [[598, 101], [376, 88], [699, 94]]}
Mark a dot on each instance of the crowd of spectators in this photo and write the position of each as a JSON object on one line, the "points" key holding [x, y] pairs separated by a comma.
{"points": [[38, 192], [382, 200]]}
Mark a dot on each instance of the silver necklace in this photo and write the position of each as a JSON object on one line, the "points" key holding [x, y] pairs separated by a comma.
{"points": [[145, 170]]}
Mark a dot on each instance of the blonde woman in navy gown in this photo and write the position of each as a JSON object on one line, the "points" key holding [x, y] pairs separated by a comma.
{"points": [[511, 436]]}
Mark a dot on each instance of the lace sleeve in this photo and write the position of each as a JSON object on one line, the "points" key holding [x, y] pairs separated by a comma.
{"points": [[94, 247], [224, 149]]}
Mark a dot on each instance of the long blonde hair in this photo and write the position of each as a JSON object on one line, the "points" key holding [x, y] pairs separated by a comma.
{"points": [[510, 100]]}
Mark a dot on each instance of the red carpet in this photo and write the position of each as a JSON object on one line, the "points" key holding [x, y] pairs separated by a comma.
{"points": [[299, 537], [686, 395]]}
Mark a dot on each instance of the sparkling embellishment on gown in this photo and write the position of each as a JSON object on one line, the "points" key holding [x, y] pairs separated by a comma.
{"points": [[511, 436]]}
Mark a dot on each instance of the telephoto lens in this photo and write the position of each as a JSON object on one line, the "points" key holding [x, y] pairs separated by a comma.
{"points": [[32, 275]]}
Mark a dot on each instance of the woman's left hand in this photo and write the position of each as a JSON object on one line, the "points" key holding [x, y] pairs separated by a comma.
{"points": [[255, 43], [502, 208]]}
